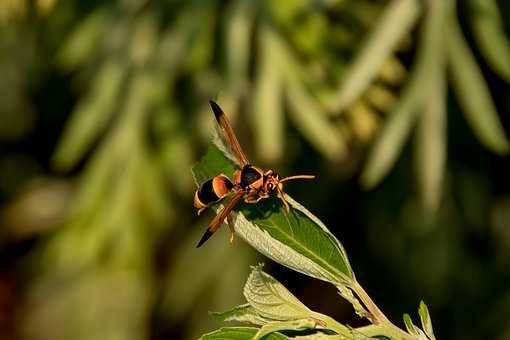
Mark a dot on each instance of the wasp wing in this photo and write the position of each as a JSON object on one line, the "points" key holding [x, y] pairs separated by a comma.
{"points": [[218, 219], [229, 134]]}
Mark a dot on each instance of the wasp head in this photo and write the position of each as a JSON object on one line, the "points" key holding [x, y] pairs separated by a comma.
{"points": [[272, 182]]}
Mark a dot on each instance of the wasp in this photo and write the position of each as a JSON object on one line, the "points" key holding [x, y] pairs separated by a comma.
{"points": [[250, 182]]}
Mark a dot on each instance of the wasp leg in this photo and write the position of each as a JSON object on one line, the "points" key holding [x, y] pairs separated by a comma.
{"points": [[199, 211], [252, 199], [230, 223]]}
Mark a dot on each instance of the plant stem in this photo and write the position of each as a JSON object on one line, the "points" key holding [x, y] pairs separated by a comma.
{"points": [[378, 315], [333, 324], [381, 322]]}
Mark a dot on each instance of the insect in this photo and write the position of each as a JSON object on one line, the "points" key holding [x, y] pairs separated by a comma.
{"points": [[250, 183]]}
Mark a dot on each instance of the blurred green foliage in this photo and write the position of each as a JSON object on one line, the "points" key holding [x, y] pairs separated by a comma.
{"points": [[103, 109]]}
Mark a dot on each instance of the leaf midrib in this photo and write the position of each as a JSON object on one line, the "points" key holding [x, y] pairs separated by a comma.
{"points": [[337, 273]]}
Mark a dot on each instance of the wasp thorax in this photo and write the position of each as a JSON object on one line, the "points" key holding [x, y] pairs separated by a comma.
{"points": [[251, 177]]}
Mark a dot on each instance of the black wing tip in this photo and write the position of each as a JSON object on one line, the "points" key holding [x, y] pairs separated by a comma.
{"points": [[216, 109], [204, 238]]}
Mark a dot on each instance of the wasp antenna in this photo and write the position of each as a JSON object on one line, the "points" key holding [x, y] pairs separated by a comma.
{"points": [[297, 177], [205, 237], [216, 109]]}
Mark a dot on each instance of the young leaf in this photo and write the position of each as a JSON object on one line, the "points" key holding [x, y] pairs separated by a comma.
{"points": [[426, 323], [239, 333], [472, 91], [396, 21], [414, 330], [297, 325], [408, 322], [242, 313], [347, 294], [296, 239], [271, 299]]}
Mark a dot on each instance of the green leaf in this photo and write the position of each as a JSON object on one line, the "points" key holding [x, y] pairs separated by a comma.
{"points": [[201, 45], [489, 32], [388, 145], [296, 239], [271, 299], [152, 195], [211, 164], [431, 134], [272, 306], [239, 333], [239, 27], [309, 117], [83, 41], [426, 323], [397, 20], [91, 116], [175, 41], [306, 113], [174, 153], [241, 313], [322, 336], [268, 118], [143, 39], [472, 91]]}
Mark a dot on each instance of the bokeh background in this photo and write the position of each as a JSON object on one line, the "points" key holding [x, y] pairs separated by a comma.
{"points": [[104, 109]]}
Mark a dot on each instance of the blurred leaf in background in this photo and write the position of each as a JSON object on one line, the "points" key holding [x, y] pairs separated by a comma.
{"points": [[423, 101]]}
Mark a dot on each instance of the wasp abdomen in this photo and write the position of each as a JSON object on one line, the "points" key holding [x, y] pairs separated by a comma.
{"points": [[212, 191]]}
